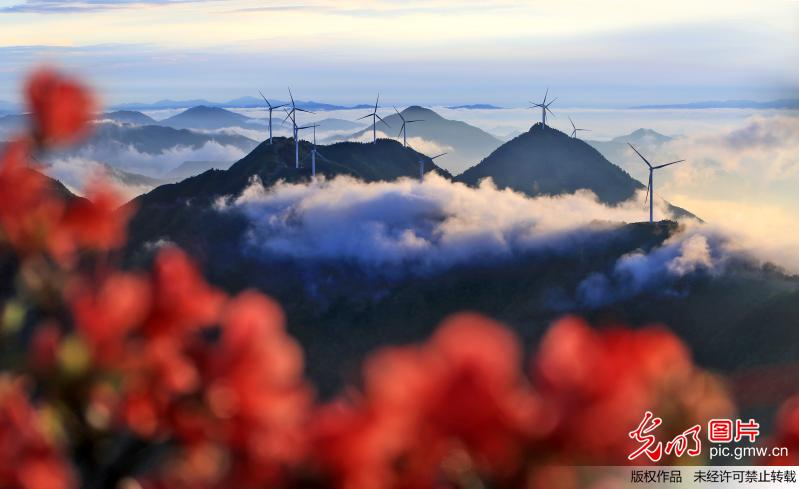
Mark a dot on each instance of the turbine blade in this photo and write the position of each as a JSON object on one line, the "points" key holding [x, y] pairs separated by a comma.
{"points": [[377, 101], [322, 156], [381, 120], [400, 115], [545, 95], [267, 102], [401, 129], [572, 123], [639, 154], [415, 120], [291, 95], [667, 164], [552, 101], [647, 194], [437, 156], [364, 117]]}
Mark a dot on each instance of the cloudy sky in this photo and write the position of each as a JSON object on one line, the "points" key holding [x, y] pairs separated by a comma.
{"points": [[431, 52]]}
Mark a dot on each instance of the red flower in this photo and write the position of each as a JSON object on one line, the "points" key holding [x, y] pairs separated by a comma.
{"points": [[182, 300], [28, 458], [44, 346], [97, 222], [786, 434], [453, 409], [106, 313], [61, 107], [28, 212], [255, 391], [598, 384]]}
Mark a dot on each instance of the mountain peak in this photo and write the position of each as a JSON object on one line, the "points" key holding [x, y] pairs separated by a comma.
{"points": [[546, 161], [644, 135], [540, 128], [204, 108], [415, 111]]}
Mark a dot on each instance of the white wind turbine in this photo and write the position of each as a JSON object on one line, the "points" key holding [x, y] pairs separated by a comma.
{"points": [[421, 165], [314, 152], [403, 130], [271, 108], [292, 114], [375, 117], [650, 189], [576, 129], [544, 107]]}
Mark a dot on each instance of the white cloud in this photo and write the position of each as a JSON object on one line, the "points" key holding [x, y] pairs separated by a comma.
{"points": [[128, 158], [75, 172], [434, 223]]}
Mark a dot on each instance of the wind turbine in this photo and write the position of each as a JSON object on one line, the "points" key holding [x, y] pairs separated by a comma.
{"points": [[374, 117], [403, 130], [575, 129], [421, 165], [292, 114], [650, 190], [314, 152], [544, 107], [271, 108]]}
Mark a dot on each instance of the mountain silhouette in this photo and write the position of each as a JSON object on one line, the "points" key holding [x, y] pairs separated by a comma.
{"points": [[191, 168], [204, 117], [649, 141], [463, 143], [182, 212], [155, 139], [545, 161], [128, 117]]}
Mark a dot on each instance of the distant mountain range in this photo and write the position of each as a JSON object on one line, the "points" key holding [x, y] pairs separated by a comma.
{"points": [[205, 117], [463, 143], [474, 107], [618, 151], [157, 139], [241, 102], [342, 125], [128, 117], [728, 104]]}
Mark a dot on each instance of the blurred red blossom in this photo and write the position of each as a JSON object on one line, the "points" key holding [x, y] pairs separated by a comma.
{"points": [[598, 384], [28, 211], [786, 434], [29, 458], [60, 106], [97, 222]]}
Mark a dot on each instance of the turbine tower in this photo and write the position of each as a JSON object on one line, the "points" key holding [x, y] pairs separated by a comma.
{"points": [[292, 114], [271, 108], [576, 129], [650, 187], [421, 165], [544, 107], [314, 152], [403, 130], [375, 117]]}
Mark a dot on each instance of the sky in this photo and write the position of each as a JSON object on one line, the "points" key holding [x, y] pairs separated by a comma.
{"points": [[593, 54]]}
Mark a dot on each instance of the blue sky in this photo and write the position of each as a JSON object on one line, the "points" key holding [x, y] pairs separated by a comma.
{"points": [[433, 52]]}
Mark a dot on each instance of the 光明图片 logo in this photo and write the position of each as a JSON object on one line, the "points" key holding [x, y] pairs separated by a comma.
{"points": [[720, 434]]}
